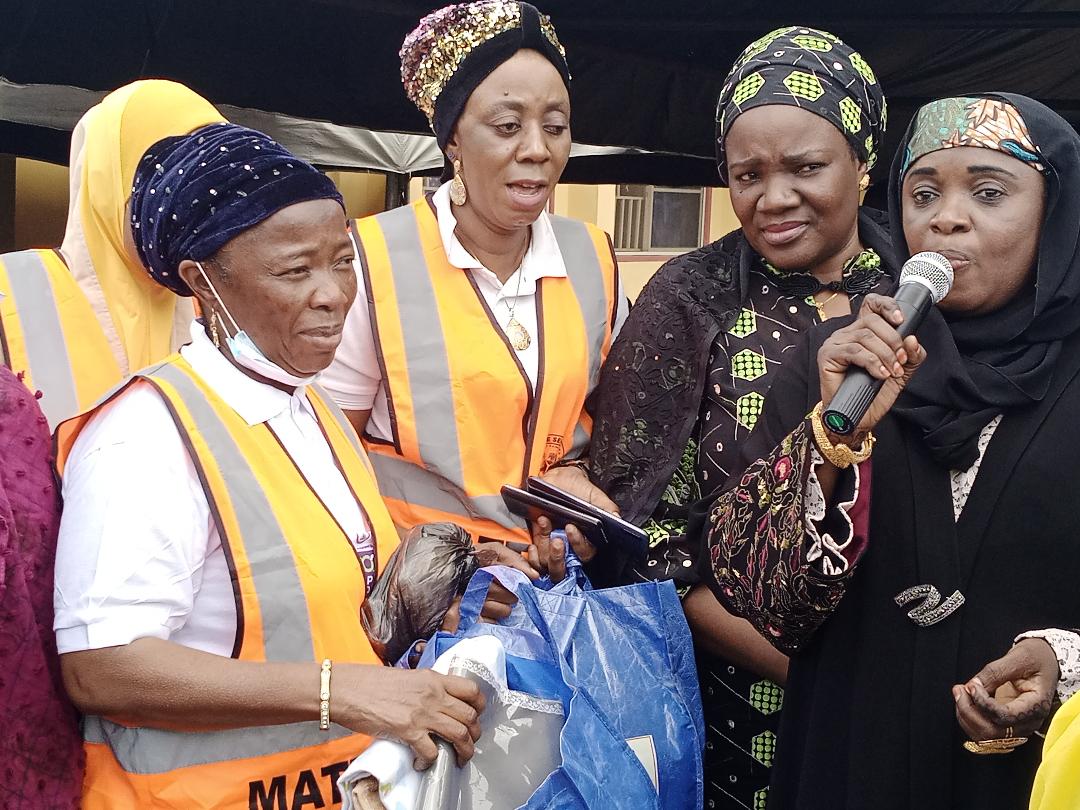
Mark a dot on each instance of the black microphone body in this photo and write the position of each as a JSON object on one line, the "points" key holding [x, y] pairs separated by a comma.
{"points": [[858, 389]]}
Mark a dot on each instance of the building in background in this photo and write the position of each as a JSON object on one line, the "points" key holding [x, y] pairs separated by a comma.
{"points": [[648, 224]]}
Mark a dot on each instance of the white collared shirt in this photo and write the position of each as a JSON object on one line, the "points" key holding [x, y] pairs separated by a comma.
{"points": [[354, 379], [139, 554]]}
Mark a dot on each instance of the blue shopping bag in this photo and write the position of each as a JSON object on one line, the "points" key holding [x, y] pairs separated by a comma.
{"points": [[621, 660]]}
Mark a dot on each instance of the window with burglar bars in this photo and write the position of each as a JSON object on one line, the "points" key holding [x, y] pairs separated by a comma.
{"points": [[658, 218]]}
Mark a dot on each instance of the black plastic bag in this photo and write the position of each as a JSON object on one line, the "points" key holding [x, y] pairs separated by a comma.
{"points": [[430, 568]]}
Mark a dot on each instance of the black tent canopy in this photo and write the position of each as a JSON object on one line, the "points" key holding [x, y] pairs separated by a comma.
{"points": [[645, 74]]}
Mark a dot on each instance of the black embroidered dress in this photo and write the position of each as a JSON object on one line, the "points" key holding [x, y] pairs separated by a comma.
{"points": [[683, 388]]}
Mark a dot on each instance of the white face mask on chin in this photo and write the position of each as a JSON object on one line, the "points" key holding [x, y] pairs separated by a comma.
{"points": [[247, 354]]}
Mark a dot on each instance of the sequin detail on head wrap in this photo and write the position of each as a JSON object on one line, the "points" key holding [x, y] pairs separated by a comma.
{"points": [[813, 70], [453, 49], [192, 194], [991, 123]]}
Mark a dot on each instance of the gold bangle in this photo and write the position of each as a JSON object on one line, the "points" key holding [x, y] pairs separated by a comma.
{"points": [[324, 696], [839, 455]]}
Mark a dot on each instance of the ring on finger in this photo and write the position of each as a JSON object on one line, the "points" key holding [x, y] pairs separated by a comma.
{"points": [[1003, 745]]}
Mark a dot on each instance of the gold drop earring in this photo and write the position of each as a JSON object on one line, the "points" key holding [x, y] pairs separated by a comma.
{"points": [[864, 182], [214, 337], [458, 193]]}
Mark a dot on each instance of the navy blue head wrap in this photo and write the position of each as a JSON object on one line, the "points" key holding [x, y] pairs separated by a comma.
{"points": [[194, 193]]}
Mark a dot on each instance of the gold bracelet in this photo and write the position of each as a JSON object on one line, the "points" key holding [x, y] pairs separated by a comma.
{"points": [[324, 696], [839, 455]]}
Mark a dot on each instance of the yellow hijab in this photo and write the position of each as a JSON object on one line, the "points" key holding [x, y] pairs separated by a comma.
{"points": [[1057, 784], [144, 321]]}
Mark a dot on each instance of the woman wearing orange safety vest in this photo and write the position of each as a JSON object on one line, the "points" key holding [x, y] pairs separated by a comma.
{"points": [[74, 321], [222, 524], [483, 320]]}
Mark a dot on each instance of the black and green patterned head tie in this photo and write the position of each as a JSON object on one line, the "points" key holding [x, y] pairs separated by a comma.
{"points": [[813, 70]]}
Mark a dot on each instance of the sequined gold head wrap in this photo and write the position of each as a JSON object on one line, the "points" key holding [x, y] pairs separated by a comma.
{"points": [[454, 49]]}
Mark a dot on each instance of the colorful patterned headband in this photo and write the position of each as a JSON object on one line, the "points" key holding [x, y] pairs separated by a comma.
{"points": [[987, 122]]}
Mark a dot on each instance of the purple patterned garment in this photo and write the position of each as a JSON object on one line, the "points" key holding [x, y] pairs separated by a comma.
{"points": [[41, 756]]}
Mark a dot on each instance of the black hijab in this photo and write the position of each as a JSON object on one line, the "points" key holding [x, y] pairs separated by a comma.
{"points": [[978, 367]]}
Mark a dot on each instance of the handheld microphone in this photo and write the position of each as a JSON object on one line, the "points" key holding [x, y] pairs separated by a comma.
{"points": [[925, 279]]}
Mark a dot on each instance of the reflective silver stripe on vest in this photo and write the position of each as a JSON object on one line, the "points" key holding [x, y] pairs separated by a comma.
{"points": [[404, 481], [439, 484], [339, 417], [589, 284], [43, 335], [346, 427], [428, 371], [580, 442], [154, 750], [282, 604], [587, 278]]}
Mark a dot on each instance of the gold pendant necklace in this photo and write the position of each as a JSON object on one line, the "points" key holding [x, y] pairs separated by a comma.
{"points": [[516, 333], [822, 316], [519, 336]]}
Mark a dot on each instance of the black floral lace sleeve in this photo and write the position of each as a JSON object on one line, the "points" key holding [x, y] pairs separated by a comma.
{"points": [[646, 403]]}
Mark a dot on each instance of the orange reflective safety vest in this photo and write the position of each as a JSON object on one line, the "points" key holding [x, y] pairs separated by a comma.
{"points": [[299, 584], [465, 417], [50, 335]]}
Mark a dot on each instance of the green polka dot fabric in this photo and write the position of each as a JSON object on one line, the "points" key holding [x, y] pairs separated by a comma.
{"points": [[748, 365], [766, 697], [763, 746], [804, 85], [811, 69], [749, 408], [745, 324], [748, 87]]}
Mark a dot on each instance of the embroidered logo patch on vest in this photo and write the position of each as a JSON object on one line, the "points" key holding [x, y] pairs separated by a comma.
{"points": [[553, 450]]}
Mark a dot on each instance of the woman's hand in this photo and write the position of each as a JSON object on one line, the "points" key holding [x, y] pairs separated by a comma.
{"points": [[1031, 668], [548, 555], [499, 601], [871, 343], [408, 706], [157, 683], [575, 480]]}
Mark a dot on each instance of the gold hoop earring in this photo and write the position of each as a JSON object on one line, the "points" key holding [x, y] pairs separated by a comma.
{"points": [[864, 182], [215, 338], [458, 193]]}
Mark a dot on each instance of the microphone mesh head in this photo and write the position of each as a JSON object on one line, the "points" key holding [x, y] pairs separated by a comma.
{"points": [[930, 269]]}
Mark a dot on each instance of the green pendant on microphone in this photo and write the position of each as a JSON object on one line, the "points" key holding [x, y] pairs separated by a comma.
{"points": [[837, 423]]}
